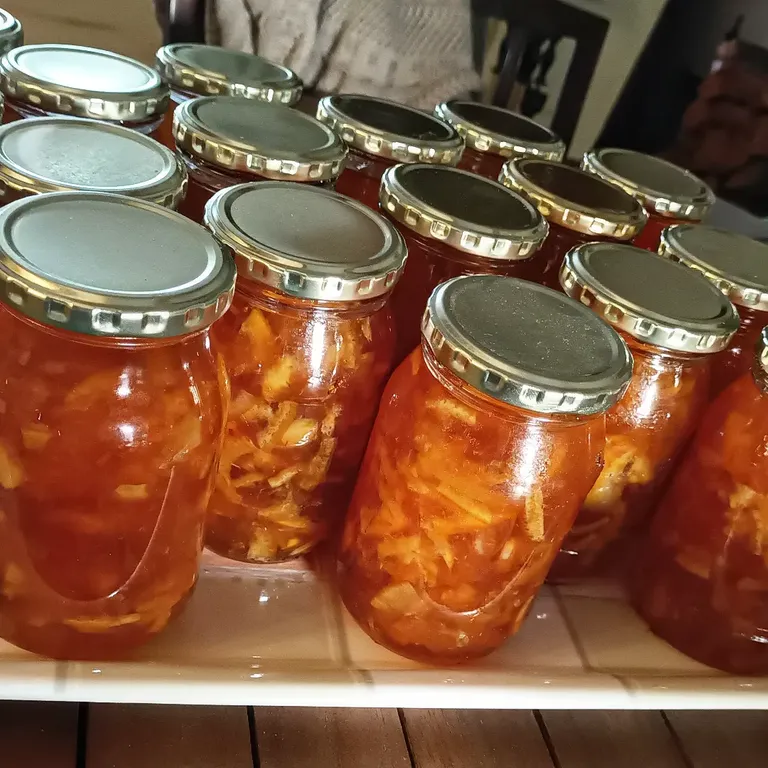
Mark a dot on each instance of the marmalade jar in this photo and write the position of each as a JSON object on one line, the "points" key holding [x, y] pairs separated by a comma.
{"points": [[738, 266], [112, 418], [380, 134], [673, 320], [194, 69], [59, 154], [702, 584], [73, 80], [308, 344], [493, 135], [487, 440], [579, 207], [11, 32], [227, 140], [669, 194], [455, 223]]}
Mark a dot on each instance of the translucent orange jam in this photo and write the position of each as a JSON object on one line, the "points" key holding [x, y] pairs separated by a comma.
{"points": [[703, 579], [306, 371], [579, 207], [380, 134], [463, 499], [108, 442], [670, 194], [493, 135]]}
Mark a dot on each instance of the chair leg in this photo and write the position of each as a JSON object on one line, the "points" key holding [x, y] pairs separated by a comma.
{"points": [[515, 43]]}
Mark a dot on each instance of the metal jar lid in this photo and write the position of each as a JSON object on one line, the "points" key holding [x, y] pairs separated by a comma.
{"points": [[11, 32], [659, 185], [208, 70], [652, 299], [736, 264], [462, 210], [500, 131], [258, 139], [391, 130], [575, 199], [109, 265], [59, 154], [83, 82], [307, 242], [526, 345]]}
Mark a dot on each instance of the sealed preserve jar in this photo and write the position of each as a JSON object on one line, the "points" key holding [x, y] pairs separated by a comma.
{"points": [[455, 223], [308, 344], [54, 79], [702, 584], [226, 140], [738, 266], [380, 134], [193, 69], [59, 154], [673, 321], [113, 413], [487, 440], [493, 135], [11, 32], [669, 194], [579, 207]]}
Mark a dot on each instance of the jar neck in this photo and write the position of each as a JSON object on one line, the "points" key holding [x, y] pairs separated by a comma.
{"points": [[474, 398], [272, 298], [372, 166]]}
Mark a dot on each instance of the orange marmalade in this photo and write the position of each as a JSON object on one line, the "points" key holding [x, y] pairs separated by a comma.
{"points": [[673, 321], [703, 579], [113, 413], [308, 344], [482, 451]]}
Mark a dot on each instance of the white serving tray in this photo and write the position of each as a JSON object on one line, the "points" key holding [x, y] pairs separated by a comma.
{"points": [[278, 636]]}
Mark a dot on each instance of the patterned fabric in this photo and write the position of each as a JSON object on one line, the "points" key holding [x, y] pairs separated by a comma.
{"points": [[418, 52]]}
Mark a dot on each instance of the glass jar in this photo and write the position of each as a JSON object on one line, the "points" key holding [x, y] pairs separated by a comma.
{"points": [[11, 32], [113, 414], [59, 154], [380, 134], [455, 223], [669, 194], [308, 345], [483, 449], [226, 140], [579, 207], [193, 69], [72, 80], [493, 135], [738, 266], [703, 581], [673, 322]]}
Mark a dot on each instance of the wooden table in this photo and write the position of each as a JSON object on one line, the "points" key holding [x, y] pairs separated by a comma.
{"points": [[42, 735]]}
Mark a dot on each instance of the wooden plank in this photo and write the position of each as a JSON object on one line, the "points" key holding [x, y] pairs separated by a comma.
{"points": [[477, 738], [128, 736], [329, 738], [612, 740], [38, 735], [722, 739]]}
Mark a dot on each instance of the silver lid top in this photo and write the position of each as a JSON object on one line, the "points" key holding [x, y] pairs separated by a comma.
{"points": [[575, 199], [500, 131], [660, 186], [83, 82], [11, 32], [652, 299], [526, 345], [736, 264], [391, 130], [208, 70], [108, 265], [258, 139], [463, 210], [59, 154], [307, 242]]}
